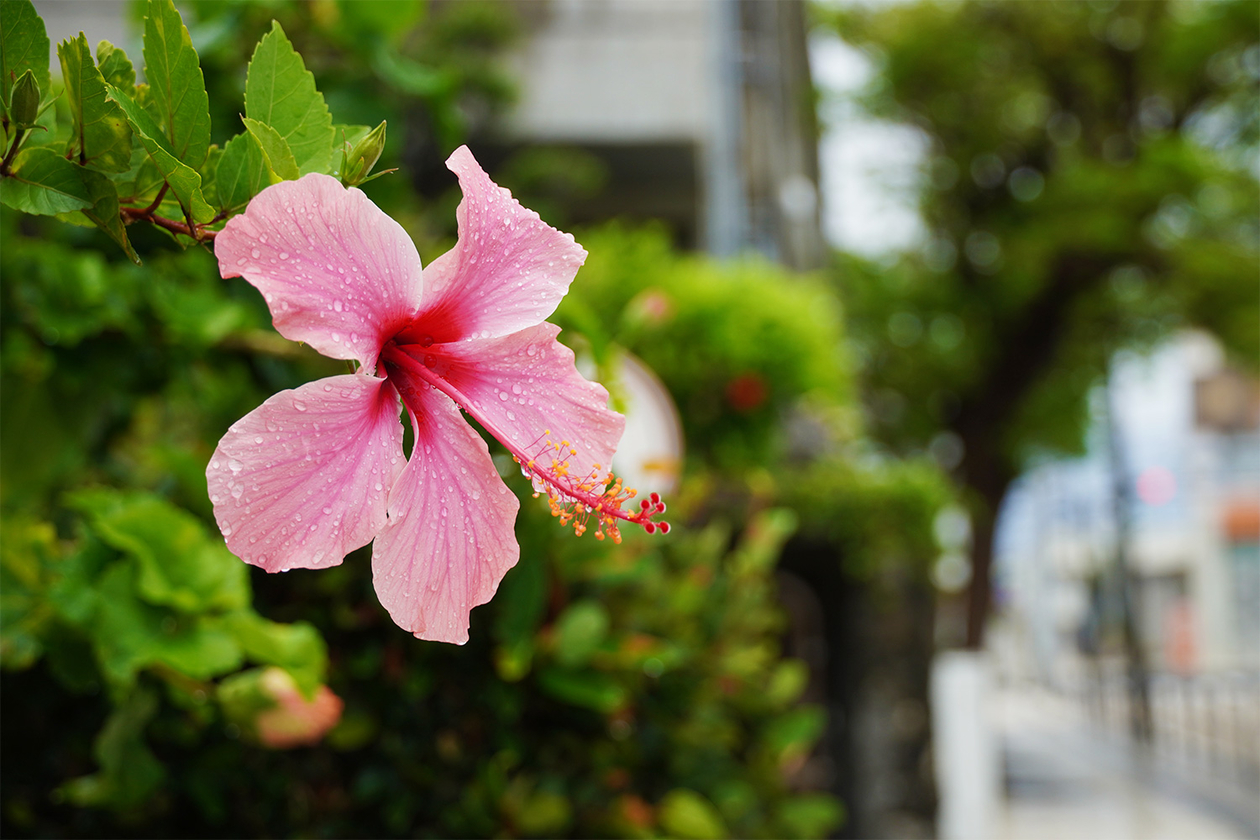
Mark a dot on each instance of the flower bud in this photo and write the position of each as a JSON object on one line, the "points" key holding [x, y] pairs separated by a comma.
{"points": [[24, 102], [363, 156]]}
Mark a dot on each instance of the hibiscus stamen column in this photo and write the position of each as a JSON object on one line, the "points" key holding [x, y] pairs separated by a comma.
{"points": [[574, 498]]}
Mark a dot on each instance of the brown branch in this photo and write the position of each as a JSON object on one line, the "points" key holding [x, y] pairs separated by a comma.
{"points": [[157, 202], [8, 158], [193, 231]]}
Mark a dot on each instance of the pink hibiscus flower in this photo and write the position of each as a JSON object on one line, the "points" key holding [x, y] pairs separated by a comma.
{"points": [[318, 471]]}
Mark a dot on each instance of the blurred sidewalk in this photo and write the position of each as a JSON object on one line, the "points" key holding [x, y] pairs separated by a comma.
{"points": [[1065, 779]]}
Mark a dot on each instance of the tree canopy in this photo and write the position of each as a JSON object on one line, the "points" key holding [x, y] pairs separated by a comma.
{"points": [[1090, 186]]}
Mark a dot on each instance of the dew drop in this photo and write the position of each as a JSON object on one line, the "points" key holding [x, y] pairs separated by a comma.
{"points": [[284, 255], [255, 253]]}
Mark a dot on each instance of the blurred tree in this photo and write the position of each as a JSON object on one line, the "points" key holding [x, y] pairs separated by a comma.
{"points": [[1090, 186]]}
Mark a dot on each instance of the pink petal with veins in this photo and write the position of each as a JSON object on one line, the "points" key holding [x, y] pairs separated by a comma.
{"points": [[450, 537], [303, 479], [525, 384], [336, 271], [508, 270]]}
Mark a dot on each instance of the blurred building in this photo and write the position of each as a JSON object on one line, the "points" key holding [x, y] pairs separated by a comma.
{"points": [[700, 110], [1189, 429]]}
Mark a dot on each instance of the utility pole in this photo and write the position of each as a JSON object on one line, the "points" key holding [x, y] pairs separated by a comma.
{"points": [[1126, 582]]}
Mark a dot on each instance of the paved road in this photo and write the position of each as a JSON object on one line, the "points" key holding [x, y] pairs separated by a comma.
{"points": [[1067, 780]]}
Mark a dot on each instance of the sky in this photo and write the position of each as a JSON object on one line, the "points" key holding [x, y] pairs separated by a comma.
{"points": [[869, 169]]}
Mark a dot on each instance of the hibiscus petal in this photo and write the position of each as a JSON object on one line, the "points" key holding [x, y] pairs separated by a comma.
{"points": [[508, 270], [303, 479], [524, 385], [336, 271], [450, 537]]}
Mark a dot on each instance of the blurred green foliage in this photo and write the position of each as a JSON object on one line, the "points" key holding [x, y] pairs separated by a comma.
{"points": [[739, 345], [1090, 177]]}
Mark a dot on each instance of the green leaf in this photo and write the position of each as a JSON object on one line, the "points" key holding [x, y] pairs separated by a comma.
{"points": [[280, 92], [589, 689], [209, 170], [104, 212], [298, 648], [686, 814], [278, 157], [241, 173], [180, 566], [44, 183], [23, 46], [131, 635], [116, 68], [184, 180], [579, 631], [25, 553], [794, 733], [178, 89], [141, 183], [101, 133], [811, 815], [129, 770], [369, 21]]}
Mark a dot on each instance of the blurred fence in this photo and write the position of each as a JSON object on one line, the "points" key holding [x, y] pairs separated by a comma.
{"points": [[1205, 729]]}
